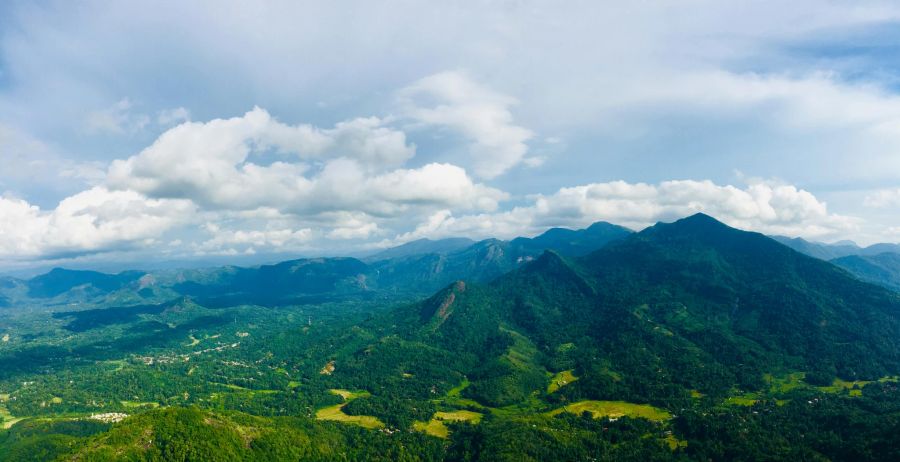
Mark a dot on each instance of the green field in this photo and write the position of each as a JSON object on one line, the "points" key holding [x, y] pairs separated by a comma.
{"points": [[6, 419], [138, 404], [454, 399], [459, 416], [615, 409], [433, 427], [336, 412], [561, 379], [436, 427]]}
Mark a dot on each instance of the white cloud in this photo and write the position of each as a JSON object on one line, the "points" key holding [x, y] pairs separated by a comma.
{"points": [[177, 115], [768, 207], [452, 100], [211, 164], [883, 198], [117, 119], [815, 101], [93, 220], [250, 239]]}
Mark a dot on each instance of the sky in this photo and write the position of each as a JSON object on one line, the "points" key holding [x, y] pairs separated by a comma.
{"points": [[135, 132]]}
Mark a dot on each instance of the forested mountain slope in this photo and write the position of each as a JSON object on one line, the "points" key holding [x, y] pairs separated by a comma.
{"points": [[686, 341], [883, 268]]}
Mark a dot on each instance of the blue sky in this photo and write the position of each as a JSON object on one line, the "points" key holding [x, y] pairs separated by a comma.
{"points": [[188, 130]]}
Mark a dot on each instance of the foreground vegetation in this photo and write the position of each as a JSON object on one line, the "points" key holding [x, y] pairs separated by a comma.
{"points": [[690, 341]]}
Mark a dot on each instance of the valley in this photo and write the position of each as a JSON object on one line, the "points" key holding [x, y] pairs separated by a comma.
{"points": [[686, 341]]}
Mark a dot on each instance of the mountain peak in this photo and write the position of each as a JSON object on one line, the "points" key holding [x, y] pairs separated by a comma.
{"points": [[698, 224], [700, 218]]}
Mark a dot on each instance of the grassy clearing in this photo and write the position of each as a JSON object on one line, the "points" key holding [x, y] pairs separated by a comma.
{"points": [[4, 397], [336, 412], [460, 416], [561, 379], [453, 398], [7, 419], [433, 427], [615, 409], [456, 391], [139, 404], [349, 395], [436, 426], [56, 400], [696, 394], [675, 443], [854, 388], [293, 384], [747, 399]]}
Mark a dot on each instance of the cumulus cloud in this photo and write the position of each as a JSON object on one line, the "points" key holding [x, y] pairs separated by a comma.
{"points": [[93, 220], [765, 206], [344, 168], [453, 101], [229, 241]]}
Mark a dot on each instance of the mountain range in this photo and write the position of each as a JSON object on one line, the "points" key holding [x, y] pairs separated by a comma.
{"points": [[688, 340]]}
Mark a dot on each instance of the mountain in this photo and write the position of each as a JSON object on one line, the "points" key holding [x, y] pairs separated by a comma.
{"points": [[691, 305], [294, 281], [686, 341], [882, 269], [423, 247], [820, 250], [59, 281], [876, 249], [490, 258], [571, 242], [418, 267], [839, 249]]}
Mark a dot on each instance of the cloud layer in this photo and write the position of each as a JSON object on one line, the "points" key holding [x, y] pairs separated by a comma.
{"points": [[252, 183], [768, 207], [300, 128]]}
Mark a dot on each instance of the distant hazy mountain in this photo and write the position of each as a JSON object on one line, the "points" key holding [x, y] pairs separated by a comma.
{"points": [[421, 247], [571, 243], [883, 269], [820, 250], [839, 249], [487, 259], [417, 267], [59, 281], [277, 284]]}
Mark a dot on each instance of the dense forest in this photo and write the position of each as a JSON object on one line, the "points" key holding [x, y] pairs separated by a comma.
{"points": [[686, 341]]}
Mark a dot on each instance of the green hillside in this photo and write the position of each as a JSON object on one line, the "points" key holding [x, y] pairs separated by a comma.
{"points": [[882, 269], [686, 341]]}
